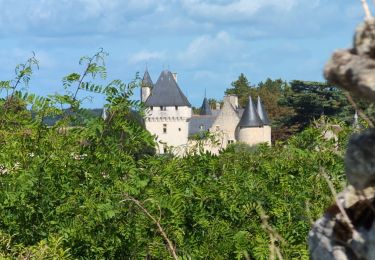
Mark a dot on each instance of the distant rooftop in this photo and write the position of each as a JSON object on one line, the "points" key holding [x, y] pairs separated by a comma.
{"points": [[166, 92]]}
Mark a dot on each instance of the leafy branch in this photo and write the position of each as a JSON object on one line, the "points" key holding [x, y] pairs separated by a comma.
{"points": [[171, 247]]}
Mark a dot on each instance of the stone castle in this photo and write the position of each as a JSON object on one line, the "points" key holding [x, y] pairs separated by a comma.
{"points": [[169, 116]]}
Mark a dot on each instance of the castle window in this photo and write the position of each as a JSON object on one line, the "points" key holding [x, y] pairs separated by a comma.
{"points": [[152, 108], [179, 129], [230, 141], [164, 128], [163, 108], [176, 107]]}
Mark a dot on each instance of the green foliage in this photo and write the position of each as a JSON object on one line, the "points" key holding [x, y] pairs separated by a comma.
{"points": [[310, 100], [66, 188], [241, 88]]}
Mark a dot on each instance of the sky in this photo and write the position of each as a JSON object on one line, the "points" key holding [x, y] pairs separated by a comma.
{"points": [[207, 42]]}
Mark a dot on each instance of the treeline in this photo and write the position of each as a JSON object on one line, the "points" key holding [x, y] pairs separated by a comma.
{"points": [[97, 191], [294, 105]]}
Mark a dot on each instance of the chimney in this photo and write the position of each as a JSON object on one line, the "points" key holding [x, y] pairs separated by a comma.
{"points": [[174, 76]]}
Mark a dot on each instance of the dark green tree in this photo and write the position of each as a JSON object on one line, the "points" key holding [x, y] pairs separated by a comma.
{"points": [[311, 100], [241, 88]]}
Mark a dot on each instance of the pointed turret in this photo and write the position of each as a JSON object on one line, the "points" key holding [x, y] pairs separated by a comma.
{"points": [[205, 108], [166, 92], [250, 117], [147, 81], [146, 86], [262, 113]]}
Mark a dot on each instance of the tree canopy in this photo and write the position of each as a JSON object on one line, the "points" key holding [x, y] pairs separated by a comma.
{"points": [[97, 190]]}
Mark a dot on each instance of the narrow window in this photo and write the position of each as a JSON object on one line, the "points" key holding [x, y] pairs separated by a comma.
{"points": [[176, 107], [217, 128], [163, 108], [152, 108], [201, 127], [179, 129], [164, 128]]}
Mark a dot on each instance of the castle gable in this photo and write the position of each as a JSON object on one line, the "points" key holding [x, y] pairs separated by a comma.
{"points": [[226, 121]]}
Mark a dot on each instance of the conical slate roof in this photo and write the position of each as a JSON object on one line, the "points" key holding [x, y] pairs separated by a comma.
{"points": [[205, 108], [147, 81], [166, 92], [250, 117], [262, 113]]}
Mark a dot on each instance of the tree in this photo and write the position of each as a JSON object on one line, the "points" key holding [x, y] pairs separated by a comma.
{"points": [[311, 100], [93, 191], [241, 88]]}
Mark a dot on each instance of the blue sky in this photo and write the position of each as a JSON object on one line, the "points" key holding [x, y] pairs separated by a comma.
{"points": [[207, 42]]}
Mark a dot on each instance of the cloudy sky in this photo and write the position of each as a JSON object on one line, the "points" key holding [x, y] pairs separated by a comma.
{"points": [[207, 42]]}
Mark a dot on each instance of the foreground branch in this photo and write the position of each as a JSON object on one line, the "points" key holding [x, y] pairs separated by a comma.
{"points": [[170, 245]]}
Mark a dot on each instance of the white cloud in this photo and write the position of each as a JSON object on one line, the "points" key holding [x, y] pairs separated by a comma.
{"points": [[237, 9], [144, 56], [58, 17], [209, 48]]}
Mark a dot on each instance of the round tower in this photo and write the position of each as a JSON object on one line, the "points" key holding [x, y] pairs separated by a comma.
{"points": [[250, 128]]}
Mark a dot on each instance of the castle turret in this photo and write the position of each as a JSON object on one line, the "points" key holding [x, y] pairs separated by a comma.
{"points": [[266, 121], [250, 128], [146, 86], [205, 109], [169, 112]]}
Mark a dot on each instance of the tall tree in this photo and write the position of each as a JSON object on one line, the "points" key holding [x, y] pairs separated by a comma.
{"points": [[271, 91], [310, 100], [241, 88]]}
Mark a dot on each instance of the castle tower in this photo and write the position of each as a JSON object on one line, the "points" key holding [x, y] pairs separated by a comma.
{"points": [[250, 128], [266, 121], [169, 113], [146, 86]]}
